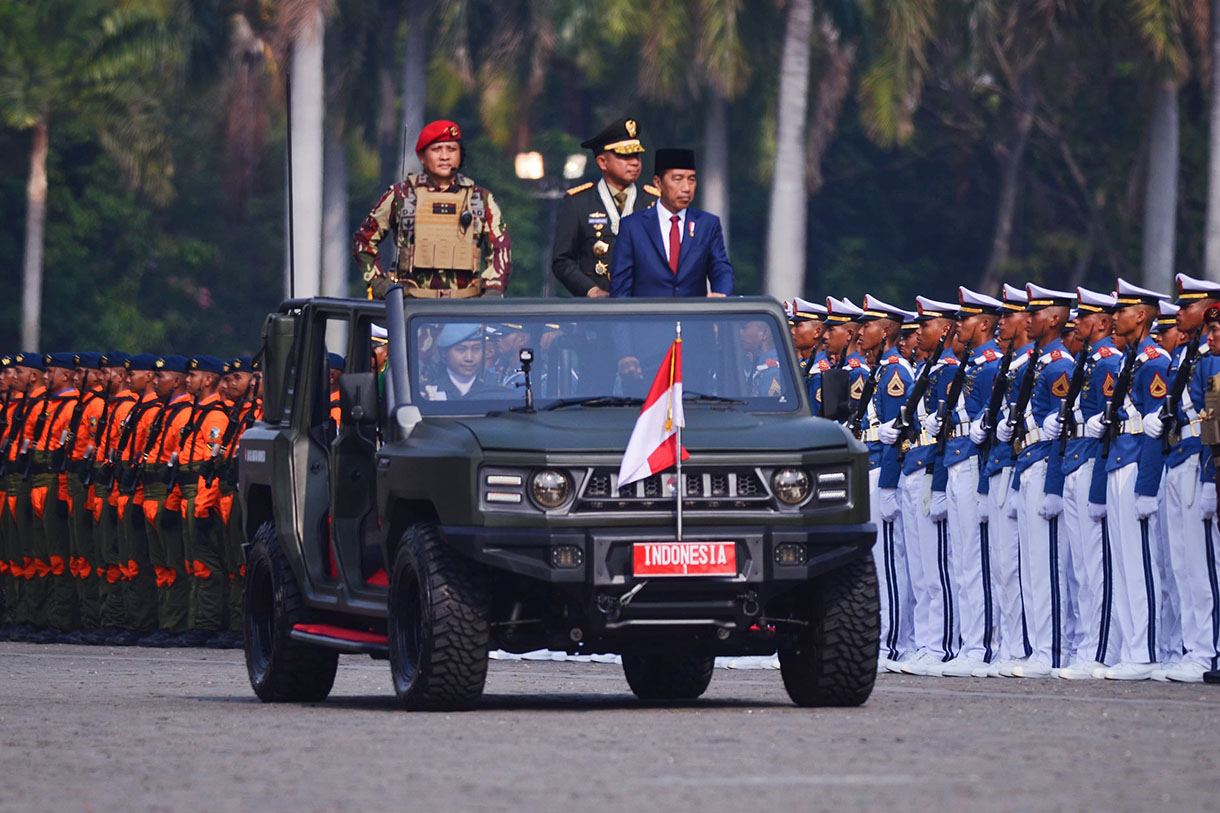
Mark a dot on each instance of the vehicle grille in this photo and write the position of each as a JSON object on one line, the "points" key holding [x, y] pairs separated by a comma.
{"points": [[741, 488]]}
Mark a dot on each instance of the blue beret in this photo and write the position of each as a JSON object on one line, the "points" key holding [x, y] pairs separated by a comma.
{"points": [[171, 364], [32, 360], [66, 361], [142, 361], [336, 361], [115, 358], [91, 361], [456, 333], [207, 364]]}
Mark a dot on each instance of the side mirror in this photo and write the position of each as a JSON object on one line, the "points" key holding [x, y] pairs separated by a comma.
{"points": [[836, 395], [358, 398]]}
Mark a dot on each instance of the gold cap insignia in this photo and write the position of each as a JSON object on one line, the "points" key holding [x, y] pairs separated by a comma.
{"points": [[159, 364], [631, 128]]}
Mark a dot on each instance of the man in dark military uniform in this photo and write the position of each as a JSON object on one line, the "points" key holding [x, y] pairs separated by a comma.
{"points": [[590, 214], [451, 238]]}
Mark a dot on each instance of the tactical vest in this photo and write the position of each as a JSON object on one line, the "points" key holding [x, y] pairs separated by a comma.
{"points": [[440, 230]]}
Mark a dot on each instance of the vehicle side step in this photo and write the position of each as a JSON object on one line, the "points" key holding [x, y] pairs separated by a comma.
{"points": [[359, 642]]}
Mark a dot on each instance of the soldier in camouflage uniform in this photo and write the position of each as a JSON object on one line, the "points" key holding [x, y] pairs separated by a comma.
{"points": [[451, 238]]}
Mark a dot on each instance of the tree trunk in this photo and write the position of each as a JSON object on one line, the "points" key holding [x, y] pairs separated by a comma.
{"points": [[336, 231], [1010, 184], [308, 110], [414, 81], [1211, 263], [1161, 192], [785, 267], [714, 177], [35, 227], [833, 86]]}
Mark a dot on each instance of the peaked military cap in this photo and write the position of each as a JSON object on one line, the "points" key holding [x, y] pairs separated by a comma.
{"points": [[1070, 324], [622, 138], [1167, 317], [1128, 294], [840, 311], [336, 361], [1015, 299], [66, 361], [34, 361], [115, 358], [1191, 289], [90, 361], [909, 322], [1040, 298], [874, 309], [1093, 302], [379, 334], [170, 364], [142, 361], [805, 311], [207, 364], [971, 303], [933, 309], [668, 158]]}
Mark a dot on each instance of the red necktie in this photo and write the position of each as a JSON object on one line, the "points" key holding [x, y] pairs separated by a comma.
{"points": [[675, 243]]}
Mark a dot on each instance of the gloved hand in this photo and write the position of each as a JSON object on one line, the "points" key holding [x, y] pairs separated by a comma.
{"points": [[1010, 505], [1003, 432], [1095, 427], [931, 425], [1207, 499], [1051, 426], [938, 508], [1097, 511], [887, 503], [1153, 425], [978, 433], [1145, 506], [1052, 506], [982, 509], [887, 433]]}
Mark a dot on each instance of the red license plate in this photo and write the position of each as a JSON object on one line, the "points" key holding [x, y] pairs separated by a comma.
{"points": [[685, 559]]}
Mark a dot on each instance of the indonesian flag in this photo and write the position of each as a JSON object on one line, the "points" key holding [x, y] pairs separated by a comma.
{"points": [[654, 443]]}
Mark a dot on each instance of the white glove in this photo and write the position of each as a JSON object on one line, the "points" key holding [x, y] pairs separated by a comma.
{"points": [[887, 503], [982, 509], [1145, 506], [931, 425], [1010, 505], [1095, 427], [887, 433], [1052, 506], [1153, 426], [1003, 432], [1097, 511], [1207, 499], [1051, 426], [938, 508], [978, 433]]}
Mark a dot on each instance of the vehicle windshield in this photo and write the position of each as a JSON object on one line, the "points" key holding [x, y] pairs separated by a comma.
{"points": [[466, 366]]}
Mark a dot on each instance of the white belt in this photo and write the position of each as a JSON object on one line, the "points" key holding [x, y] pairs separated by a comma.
{"points": [[1131, 426]]}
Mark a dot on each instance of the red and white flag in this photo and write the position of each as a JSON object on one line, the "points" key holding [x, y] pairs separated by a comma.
{"points": [[654, 440]]}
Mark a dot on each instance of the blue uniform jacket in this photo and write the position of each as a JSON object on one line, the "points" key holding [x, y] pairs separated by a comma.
{"points": [[1100, 373], [813, 382], [1000, 455], [893, 383], [639, 267], [1148, 389], [981, 369], [921, 457], [1188, 408], [1052, 380]]}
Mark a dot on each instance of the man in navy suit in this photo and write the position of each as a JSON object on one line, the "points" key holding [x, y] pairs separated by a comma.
{"points": [[671, 249]]}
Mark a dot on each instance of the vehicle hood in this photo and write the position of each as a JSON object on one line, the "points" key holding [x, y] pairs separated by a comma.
{"points": [[601, 429]]}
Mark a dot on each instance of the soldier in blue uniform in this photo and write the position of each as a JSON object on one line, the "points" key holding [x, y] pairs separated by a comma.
{"points": [[808, 323], [840, 332]]}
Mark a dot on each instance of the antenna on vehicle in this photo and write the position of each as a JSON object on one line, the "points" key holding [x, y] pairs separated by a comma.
{"points": [[526, 356], [292, 265]]}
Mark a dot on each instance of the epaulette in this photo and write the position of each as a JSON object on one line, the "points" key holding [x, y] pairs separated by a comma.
{"points": [[985, 357], [823, 365], [578, 189], [1150, 353], [950, 360], [855, 364], [1104, 353], [652, 190]]}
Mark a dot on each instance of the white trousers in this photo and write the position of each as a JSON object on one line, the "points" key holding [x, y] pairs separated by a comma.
{"points": [[1137, 588], [1169, 639], [1193, 561], [929, 562], [1002, 535], [897, 602], [1092, 570], [1043, 572], [971, 557]]}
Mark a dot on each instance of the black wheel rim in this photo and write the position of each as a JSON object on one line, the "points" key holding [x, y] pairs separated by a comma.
{"points": [[260, 619], [408, 630]]}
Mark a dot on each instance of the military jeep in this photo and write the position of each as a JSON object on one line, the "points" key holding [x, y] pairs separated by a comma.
{"points": [[463, 496]]}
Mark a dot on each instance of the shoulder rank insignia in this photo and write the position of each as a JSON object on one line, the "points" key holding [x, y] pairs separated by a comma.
{"points": [[857, 389], [896, 388], [990, 355], [775, 390], [1056, 355], [1107, 386], [771, 363], [951, 360], [853, 363], [1157, 387], [1106, 352], [1061, 386], [650, 189], [1151, 353], [823, 365], [578, 189]]}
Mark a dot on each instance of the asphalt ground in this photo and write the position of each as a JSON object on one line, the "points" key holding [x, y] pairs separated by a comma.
{"points": [[92, 728]]}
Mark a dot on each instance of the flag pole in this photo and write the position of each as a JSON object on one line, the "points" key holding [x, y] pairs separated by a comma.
{"points": [[678, 488]]}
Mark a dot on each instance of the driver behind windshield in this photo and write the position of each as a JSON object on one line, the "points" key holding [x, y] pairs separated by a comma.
{"points": [[763, 375], [456, 369]]}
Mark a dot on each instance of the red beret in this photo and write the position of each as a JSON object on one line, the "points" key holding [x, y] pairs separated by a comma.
{"points": [[1212, 314], [437, 131]]}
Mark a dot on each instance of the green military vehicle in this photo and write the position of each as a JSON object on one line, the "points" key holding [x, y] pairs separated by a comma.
{"points": [[463, 496]]}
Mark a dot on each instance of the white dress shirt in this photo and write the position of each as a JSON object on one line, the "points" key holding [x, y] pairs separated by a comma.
{"points": [[664, 214]]}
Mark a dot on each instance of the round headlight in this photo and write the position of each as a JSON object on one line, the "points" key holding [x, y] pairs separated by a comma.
{"points": [[550, 488], [790, 485]]}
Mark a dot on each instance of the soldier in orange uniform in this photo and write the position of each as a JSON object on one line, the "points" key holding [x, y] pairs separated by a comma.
{"points": [[28, 379]]}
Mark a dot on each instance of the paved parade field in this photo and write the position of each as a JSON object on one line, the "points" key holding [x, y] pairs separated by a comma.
{"points": [[132, 729]]}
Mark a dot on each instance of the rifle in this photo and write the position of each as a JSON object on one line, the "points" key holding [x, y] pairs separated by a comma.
{"points": [[24, 459], [99, 436], [208, 471], [952, 396], [1170, 435], [154, 432], [1067, 419], [68, 439], [12, 433], [110, 467], [866, 395], [1121, 388], [1017, 413], [905, 420], [999, 387]]}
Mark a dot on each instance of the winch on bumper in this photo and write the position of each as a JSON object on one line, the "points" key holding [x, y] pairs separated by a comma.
{"points": [[599, 568]]}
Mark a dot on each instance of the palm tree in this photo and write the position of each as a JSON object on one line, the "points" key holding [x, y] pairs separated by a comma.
{"points": [[71, 58]]}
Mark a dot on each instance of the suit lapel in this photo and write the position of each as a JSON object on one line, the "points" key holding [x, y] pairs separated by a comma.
{"points": [[689, 241], [652, 225]]}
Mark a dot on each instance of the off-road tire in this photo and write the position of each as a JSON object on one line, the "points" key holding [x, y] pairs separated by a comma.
{"points": [[281, 669], [438, 627], [662, 675], [833, 661]]}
